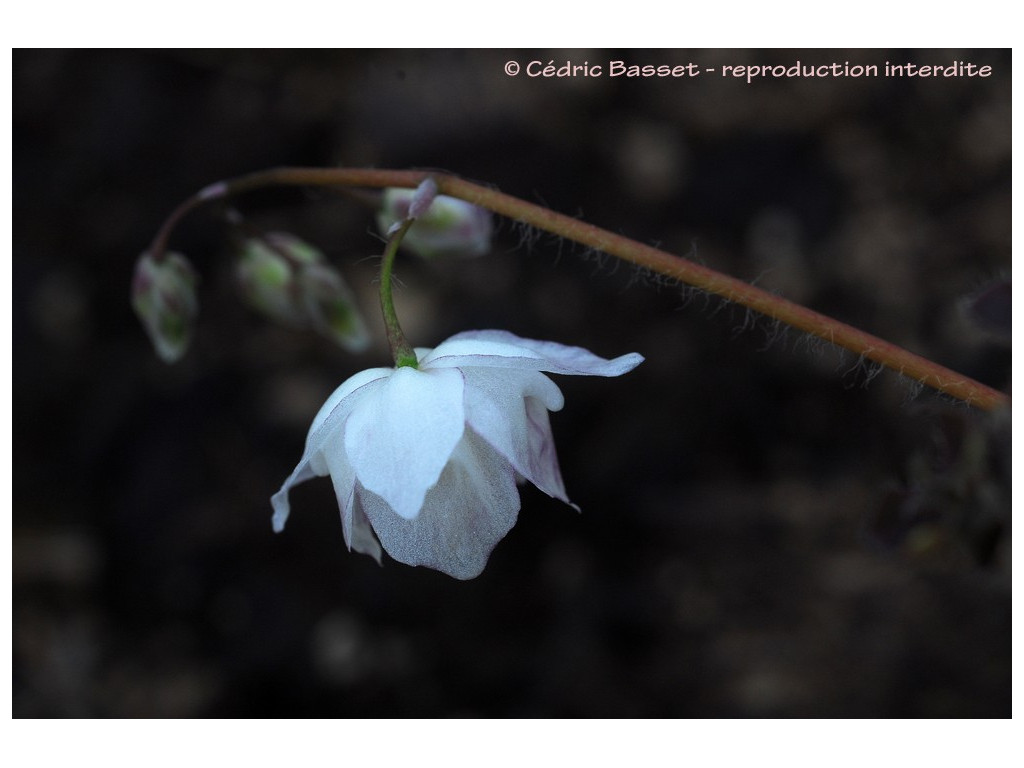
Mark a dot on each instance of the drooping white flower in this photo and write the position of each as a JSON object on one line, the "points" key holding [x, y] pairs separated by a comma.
{"points": [[425, 461]]}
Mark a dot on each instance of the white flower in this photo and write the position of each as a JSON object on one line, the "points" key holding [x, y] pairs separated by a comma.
{"points": [[425, 460]]}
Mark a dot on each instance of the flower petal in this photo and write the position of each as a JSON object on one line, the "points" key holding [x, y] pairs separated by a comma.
{"points": [[328, 421], [501, 349], [354, 525], [474, 504], [508, 408], [352, 385], [399, 438], [544, 471], [363, 540], [279, 501]]}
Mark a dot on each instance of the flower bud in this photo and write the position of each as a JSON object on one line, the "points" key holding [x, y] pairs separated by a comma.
{"points": [[164, 298], [267, 279], [331, 308], [445, 227], [290, 281]]}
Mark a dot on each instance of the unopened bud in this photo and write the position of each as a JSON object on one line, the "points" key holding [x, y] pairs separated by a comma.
{"points": [[291, 282], [266, 275], [445, 226], [331, 307], [164, 298], [298, 251]]}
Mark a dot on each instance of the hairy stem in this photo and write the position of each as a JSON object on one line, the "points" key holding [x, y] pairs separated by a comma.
{"points": [[857, 341], [401, 350]]}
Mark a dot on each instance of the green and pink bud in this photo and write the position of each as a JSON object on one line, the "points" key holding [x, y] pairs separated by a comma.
{"points": [[445, 226], [164, 298], [290, 281]]}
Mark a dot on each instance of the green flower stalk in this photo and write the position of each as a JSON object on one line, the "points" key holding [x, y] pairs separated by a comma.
{"points": [[401, 350]]}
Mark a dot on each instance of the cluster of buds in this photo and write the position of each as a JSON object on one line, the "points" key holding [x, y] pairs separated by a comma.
{"points": [[290, 281]]}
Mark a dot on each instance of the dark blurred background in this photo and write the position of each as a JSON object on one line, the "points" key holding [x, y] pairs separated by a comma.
{"points": [[767, 527]]}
